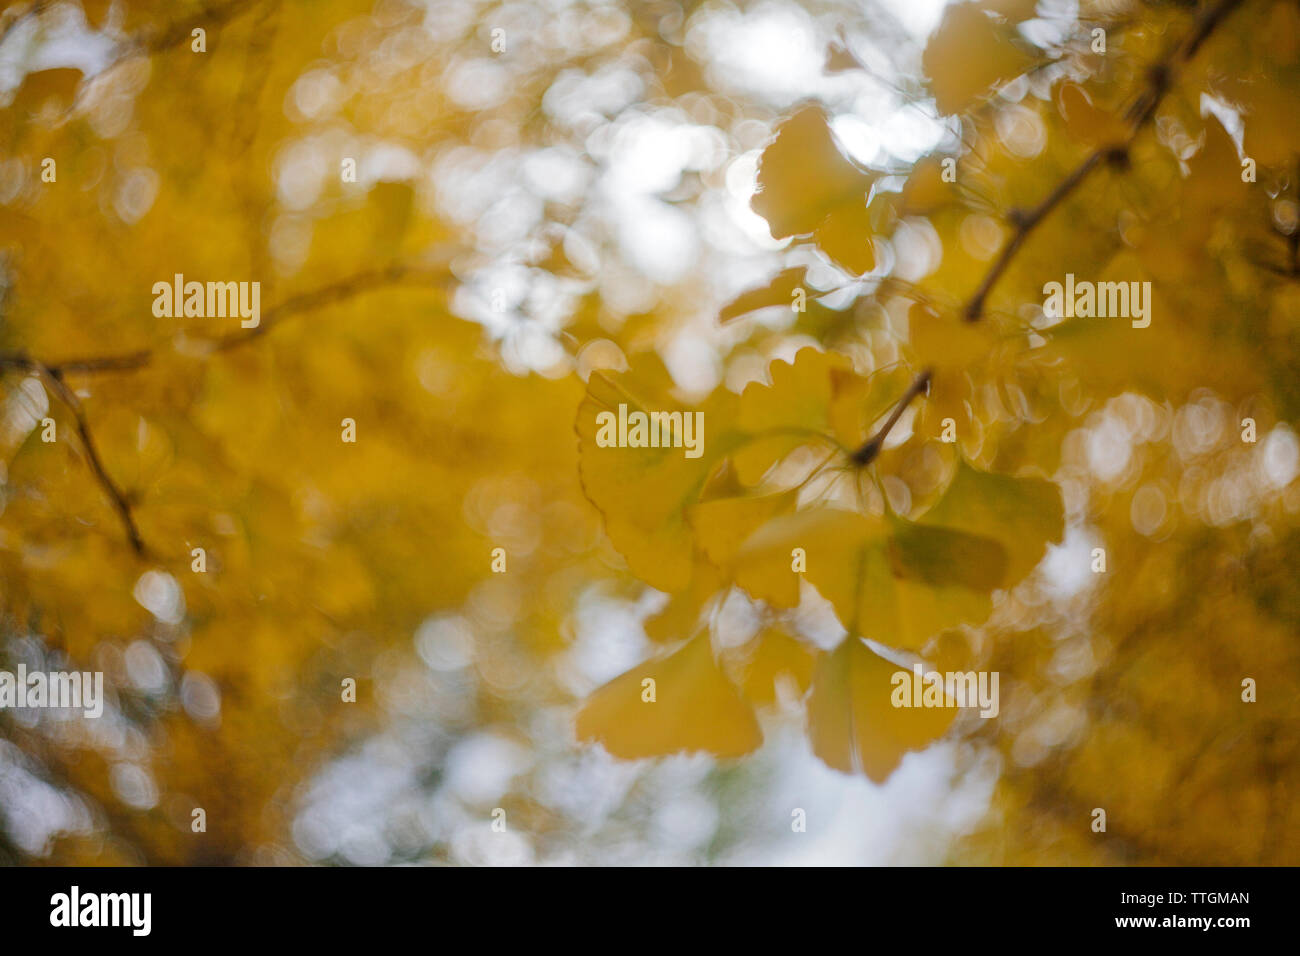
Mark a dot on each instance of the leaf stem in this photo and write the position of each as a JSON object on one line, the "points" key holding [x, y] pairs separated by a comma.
{"points": [[871, 448]]}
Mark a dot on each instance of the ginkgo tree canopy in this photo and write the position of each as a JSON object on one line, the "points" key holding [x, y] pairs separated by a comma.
{"points": [[327, 562]]}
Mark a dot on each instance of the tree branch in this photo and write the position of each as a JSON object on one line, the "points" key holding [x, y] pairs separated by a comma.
{"points": [[1293, 240], [57, 387], [340, 291], [155, 41], [1159, 80], [52, 374], [868, 452]]}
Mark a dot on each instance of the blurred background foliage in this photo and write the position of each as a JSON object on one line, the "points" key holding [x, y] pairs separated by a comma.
{"points": [[555, 195]]}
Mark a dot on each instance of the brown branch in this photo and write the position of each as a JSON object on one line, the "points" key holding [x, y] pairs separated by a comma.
{"points": [[335, 292], [56, 386], [52, 374], [1293, 240], [1159, 80], [1025, 223], [247, 119], [871, 448], [340, 291], [149, 42]]}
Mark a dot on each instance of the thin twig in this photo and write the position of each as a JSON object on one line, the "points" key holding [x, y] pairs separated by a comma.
{"points": [[52, 374], [335, 292], [1160, 80], [150, 42], [871, 448], [57, 387], [1025, 223], [1293, 240], [340, 291]]}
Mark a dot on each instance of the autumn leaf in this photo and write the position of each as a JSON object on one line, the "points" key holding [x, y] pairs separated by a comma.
{"points": [[695, 707], [899, 581], [780, 291], [644, 493], [852, 722], [969, 52], [806, 183], [1023, 514], [1084, 120], [774, 660], [286, 547]]}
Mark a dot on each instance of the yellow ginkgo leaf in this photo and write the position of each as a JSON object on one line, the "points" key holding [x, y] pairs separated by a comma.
{"points": [[852, 722], [815, 394], [803, 176], [680, 615], [1086, 122], [724, 524], [895, 580], [680, 702], [900, 581], [797, 397], [772, 659], [954, 350], [968, 53], [780, 291], [43, 87], [845, 236], [925, 189], [797, 407], [1023, 514], [644, 492], [1214, 180], [757, 456], [1271, 136], [1178, 350]]}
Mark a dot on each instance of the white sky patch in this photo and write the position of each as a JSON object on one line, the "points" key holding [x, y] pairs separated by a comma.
{"points": [[741, 181], [648, 154], [658, 239], [1109, 447], [1067, 568], [159, 594], [909, 133], [387, 162], [32, 811], [1281, 457], [59, 39], [851, 821], [609, 639], [860, 139], [772, 49], [691, 362], [480, 767], [1055, 23], [919, 17], [1225, 114]]}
